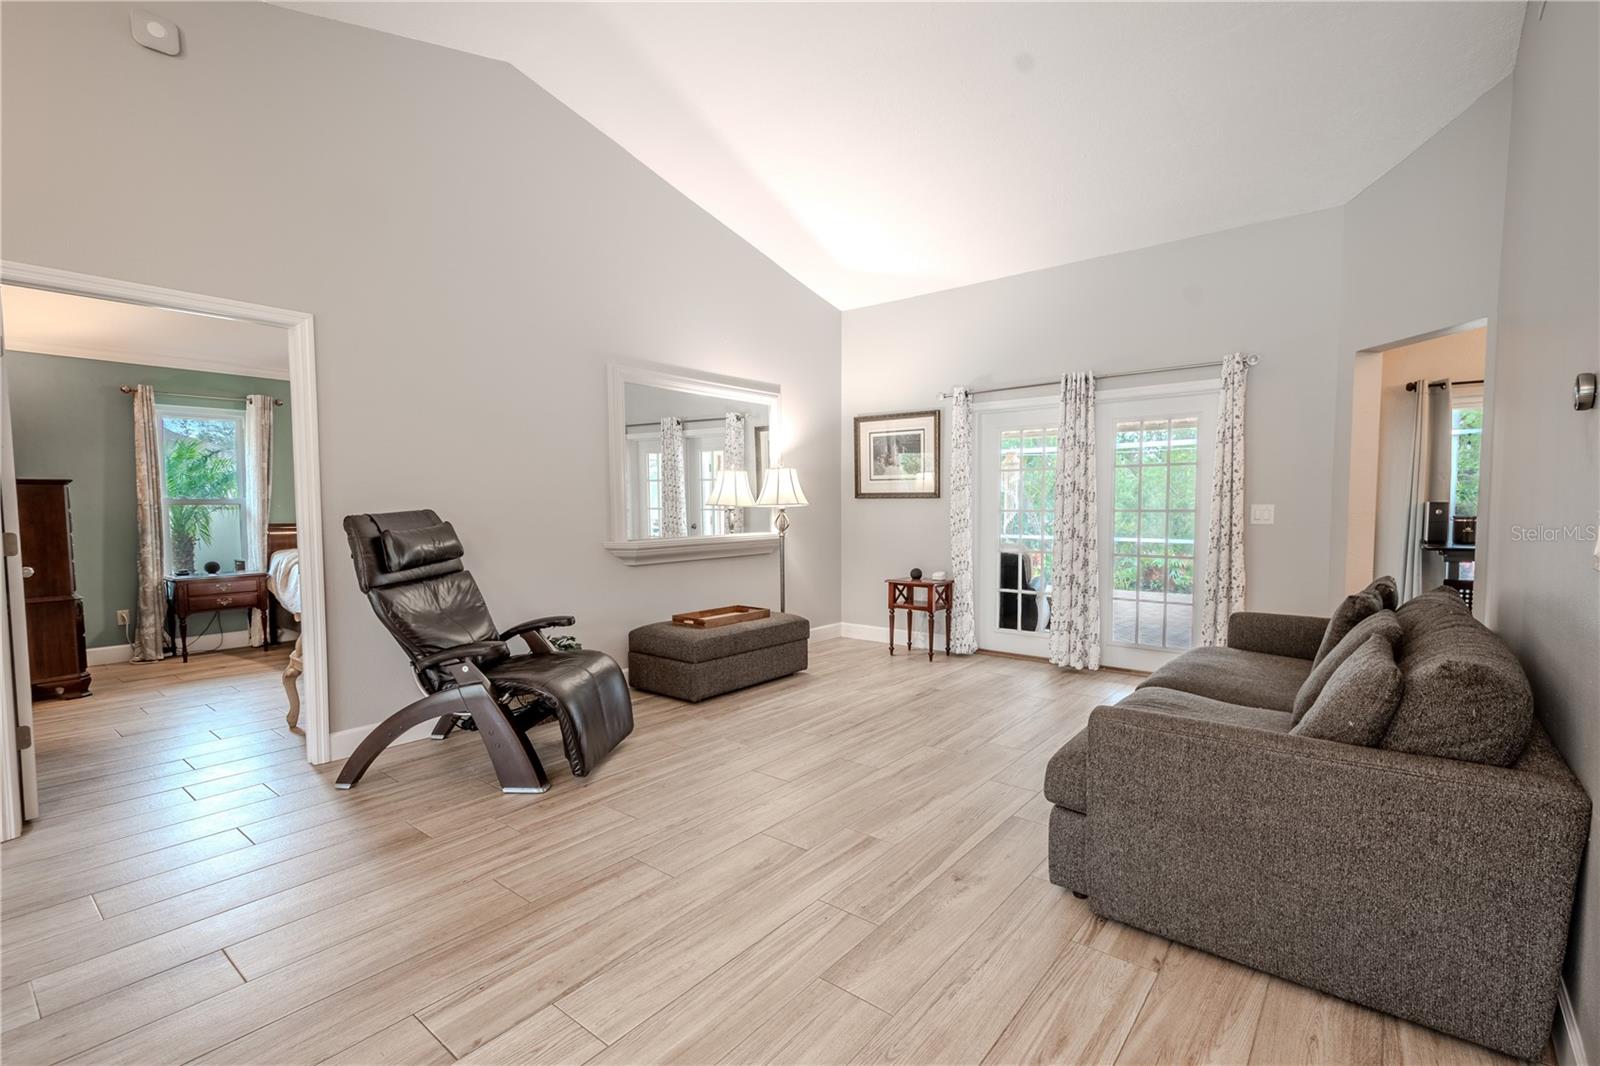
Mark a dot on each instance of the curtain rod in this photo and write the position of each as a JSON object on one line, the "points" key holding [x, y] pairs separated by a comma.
{"points": [[1249, 360], [128, 389], [1411, 386], [657, 425]]}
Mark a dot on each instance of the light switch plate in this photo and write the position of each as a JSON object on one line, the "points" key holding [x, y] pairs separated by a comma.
{"points": [[1262, 514]]}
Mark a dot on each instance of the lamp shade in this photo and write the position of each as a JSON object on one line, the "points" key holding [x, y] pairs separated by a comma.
{"points": [[731, 489], [781, 488]]}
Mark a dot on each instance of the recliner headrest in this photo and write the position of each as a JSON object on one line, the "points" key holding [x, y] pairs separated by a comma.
{"points": [[407, 549], [366, 535]]}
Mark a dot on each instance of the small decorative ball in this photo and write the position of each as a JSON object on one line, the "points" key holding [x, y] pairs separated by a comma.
{"points": [[916, 573], [213, 567]]}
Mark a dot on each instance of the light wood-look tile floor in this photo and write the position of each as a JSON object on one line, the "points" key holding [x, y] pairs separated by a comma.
{"points": [[844, 866]]}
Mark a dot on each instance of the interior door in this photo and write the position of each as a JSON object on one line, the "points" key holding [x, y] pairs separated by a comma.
{"points": [[1154, 452], [1015, 507], [19, 790]]}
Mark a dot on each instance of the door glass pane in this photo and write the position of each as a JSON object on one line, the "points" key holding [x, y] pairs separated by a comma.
{"points": [[1153, 531], [1026, 503]]}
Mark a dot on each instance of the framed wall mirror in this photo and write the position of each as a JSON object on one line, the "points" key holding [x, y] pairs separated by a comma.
{"points": [[687, 450]]}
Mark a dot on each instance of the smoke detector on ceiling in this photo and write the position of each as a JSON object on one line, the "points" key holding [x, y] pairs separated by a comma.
{"points": [[155, 33]]}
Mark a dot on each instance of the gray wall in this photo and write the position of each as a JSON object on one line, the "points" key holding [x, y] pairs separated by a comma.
{"points": [[1416, 252], [1546, 593], [1421, 254], [1270, 288], [69, 420], [474, 254]]}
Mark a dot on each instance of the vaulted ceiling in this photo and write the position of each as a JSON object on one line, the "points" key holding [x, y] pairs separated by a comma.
{"points": [[879, 151]]}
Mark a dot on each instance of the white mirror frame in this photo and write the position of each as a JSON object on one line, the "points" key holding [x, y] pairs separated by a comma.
{"points": [[676, 549]]}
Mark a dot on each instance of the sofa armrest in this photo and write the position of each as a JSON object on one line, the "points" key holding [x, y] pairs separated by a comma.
{"points": [[1295, 635], [1362, 872]]}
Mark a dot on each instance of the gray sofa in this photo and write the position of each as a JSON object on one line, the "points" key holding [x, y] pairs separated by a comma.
{"points": [[1435, 889]]}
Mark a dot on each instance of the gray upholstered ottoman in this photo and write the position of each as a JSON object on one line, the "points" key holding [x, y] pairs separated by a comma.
{"points": [[695, 664]]}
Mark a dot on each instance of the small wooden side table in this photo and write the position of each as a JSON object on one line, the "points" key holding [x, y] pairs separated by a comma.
{"points": [[903, 597], [242, 590]]}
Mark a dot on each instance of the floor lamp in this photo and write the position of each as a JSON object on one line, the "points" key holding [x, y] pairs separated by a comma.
{"points": [[781, 489]]}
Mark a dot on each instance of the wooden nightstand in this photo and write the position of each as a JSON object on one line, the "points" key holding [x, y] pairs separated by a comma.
{"points": [[202, 593]]}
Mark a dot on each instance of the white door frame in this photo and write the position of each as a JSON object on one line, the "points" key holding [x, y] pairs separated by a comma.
{"points": [[1206, 392], [307, 456], [986, 569], [18, 783]]}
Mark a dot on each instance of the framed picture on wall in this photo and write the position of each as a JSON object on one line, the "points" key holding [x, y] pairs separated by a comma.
{"points": [[897, 456]]}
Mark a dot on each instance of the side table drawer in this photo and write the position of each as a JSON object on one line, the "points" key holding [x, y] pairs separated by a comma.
{"points": [[222, 602]]}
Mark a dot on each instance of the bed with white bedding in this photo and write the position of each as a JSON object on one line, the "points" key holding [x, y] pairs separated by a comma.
{"points": [[283, 581]]}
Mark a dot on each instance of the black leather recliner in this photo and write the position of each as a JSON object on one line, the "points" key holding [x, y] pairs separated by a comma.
{"points": [[409, 565]]}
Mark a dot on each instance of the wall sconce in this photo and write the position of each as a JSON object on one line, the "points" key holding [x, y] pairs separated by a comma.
{"points": [[1583, 392]]}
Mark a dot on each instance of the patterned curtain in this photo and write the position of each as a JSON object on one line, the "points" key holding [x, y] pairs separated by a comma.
{"points": [[1224, 588], [152, 602], [733, 434], [1075, 569], [258, 413], [674, 511], [963, 623]]}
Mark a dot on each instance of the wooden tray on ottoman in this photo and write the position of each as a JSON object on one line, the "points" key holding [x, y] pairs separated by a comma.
{"points": [[721, 616]]}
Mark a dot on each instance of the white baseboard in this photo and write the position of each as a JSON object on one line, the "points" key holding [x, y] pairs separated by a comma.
{"points": [[122, 653], [345, 740], [880, 634], [830, 631], [1567, 1039], [857, 631]]}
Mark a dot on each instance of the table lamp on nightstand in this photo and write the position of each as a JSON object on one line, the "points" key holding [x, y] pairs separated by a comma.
{"points": [[781, 489]]}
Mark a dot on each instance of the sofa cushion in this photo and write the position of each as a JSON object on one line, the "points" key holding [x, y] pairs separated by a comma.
{"points": [[1356, 606], [1466, 696], [1388, 590], [1384, 622], [1359, 700], [1067, 775], [1233, 675]]}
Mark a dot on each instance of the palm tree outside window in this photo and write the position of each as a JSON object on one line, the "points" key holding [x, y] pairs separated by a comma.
{"points": [[202, 506]]}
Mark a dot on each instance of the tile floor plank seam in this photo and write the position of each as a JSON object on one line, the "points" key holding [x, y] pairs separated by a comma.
{"points": [[856, 798]]}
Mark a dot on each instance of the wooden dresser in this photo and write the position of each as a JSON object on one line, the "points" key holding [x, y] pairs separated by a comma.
{"points": [[57, 660]]}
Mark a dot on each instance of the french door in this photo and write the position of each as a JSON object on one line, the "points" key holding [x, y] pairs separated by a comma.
{"points": [[1154, 450], [1014, 509]]}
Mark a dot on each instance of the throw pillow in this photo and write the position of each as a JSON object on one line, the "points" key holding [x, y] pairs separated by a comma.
{"points": [[1388, 590], [1359, 700], [1356, 606], [1384, 622]]}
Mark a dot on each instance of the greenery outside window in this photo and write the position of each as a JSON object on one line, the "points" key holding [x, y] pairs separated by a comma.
{"points": [[202, 474], [1466, 442]]}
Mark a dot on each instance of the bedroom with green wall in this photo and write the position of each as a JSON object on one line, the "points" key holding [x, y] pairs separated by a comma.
{"points": [[70, 419]]}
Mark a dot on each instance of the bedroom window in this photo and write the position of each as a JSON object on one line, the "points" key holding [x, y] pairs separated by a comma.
{"points": [[202, 508]]}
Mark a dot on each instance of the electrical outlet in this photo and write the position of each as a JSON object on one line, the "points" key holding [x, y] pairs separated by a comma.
{"points": [[122, 617], [1262, 514]]}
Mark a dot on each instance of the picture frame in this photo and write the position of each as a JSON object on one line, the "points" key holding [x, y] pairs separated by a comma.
{"points": [[897, 456]]}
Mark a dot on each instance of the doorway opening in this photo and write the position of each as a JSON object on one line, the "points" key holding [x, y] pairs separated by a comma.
{"points": [[104, 668], [1419, 434]]}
